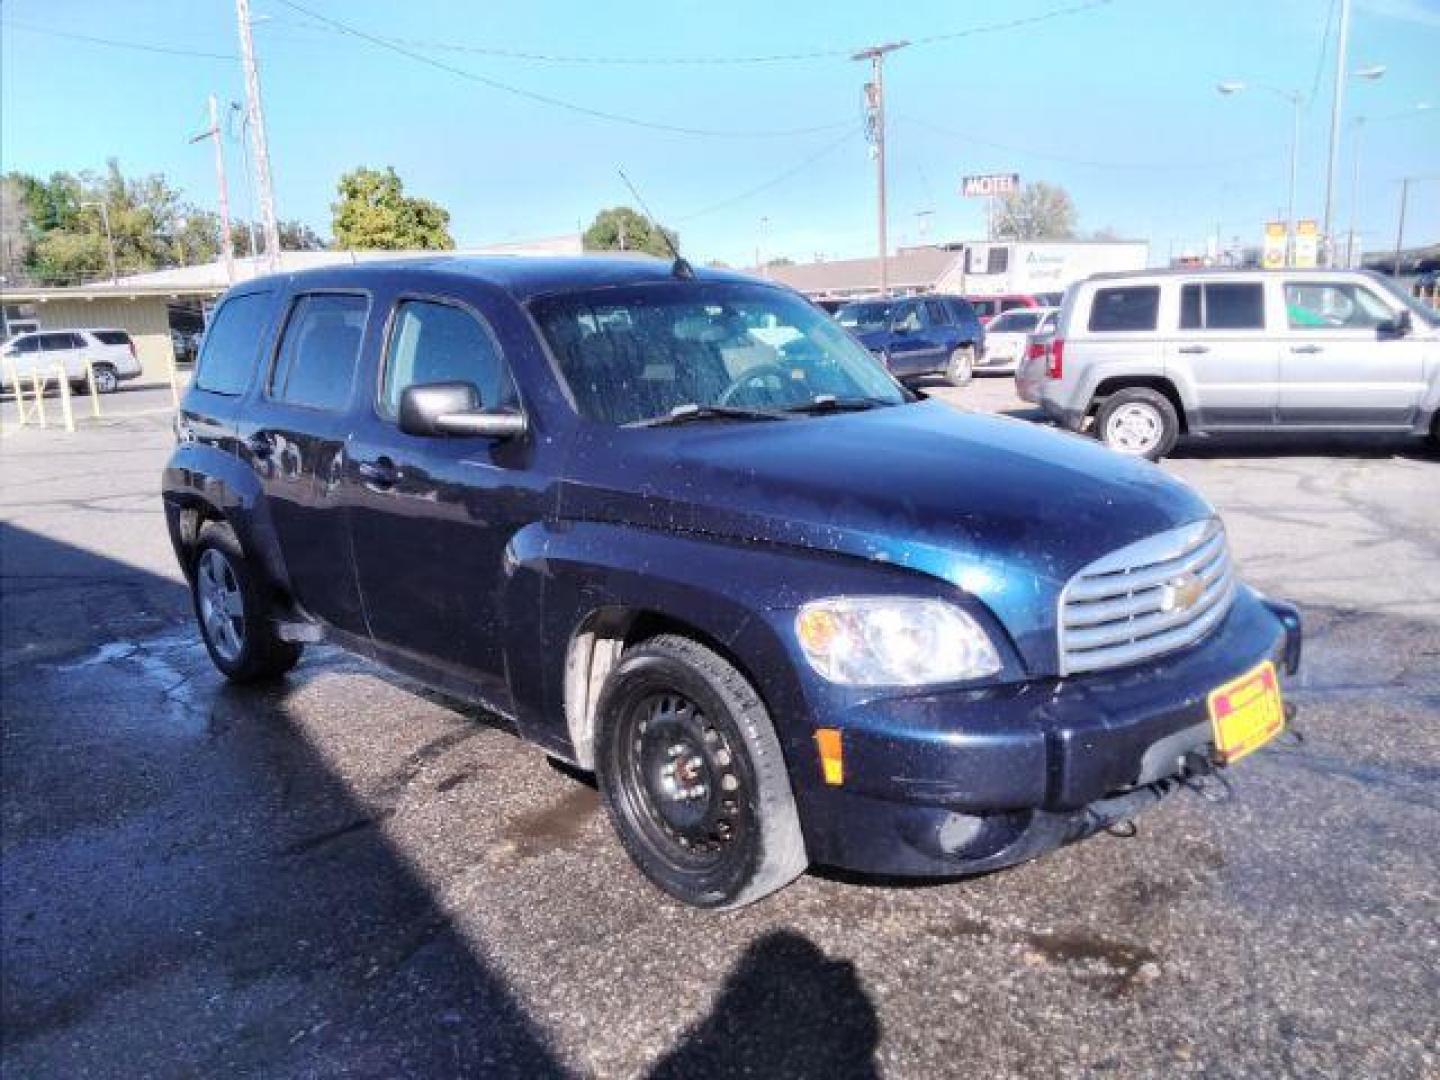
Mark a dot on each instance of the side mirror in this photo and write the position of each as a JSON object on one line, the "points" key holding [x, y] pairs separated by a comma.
{"points": [[1397, 327], [453, 408]]}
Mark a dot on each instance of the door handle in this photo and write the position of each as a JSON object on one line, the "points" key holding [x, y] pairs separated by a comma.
{"points": [[379, 474], [1193, 350], [262, 444], [1306, 348]]}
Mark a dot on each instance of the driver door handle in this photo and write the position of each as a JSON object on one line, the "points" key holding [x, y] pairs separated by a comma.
{"points": [[379, 474], [1306, 348], [1193, 350]]}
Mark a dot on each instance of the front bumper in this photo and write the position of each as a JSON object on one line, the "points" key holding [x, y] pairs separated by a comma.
{"points": [[965, 781]]}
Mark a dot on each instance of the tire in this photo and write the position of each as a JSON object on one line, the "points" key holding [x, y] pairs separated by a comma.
{"points": [[242, 643], [961, 369], [107, 380], [725, 833], [1139, 422]]}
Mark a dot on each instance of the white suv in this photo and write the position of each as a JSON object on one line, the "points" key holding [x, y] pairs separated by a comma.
{"points": [[111, 352], [1152, 356]]}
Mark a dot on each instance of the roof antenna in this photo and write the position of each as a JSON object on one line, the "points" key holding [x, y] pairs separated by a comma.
{"points": [[680, 268]]}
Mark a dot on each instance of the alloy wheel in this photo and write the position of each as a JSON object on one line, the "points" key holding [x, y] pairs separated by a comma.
{"points": [[222, 605]]}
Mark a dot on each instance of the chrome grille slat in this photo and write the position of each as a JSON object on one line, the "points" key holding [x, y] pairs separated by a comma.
{"points": [[1114, 611]]}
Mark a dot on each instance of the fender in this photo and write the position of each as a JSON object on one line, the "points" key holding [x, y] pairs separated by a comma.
{"points": [[577, 571], [220, 484]]}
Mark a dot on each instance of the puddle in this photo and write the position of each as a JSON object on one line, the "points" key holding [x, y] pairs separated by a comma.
{"points": [[1113, 966], [552, 827]]}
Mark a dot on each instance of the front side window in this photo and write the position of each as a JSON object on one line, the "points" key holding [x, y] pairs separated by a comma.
{"points": [[316, 362], [961, 310], [909, 317], [232, 344], [1223, 306], [1333, 306], [432, 342], [26, 345], [985, 309], [936, 310], [1130, 308], [866, 316], [57, 342], [634, 354]]}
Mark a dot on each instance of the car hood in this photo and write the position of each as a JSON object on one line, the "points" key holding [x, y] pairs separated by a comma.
{"points": [[1005, 510]]}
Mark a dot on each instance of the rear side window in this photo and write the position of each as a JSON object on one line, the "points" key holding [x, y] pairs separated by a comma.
{"points": [[28, 344], [111, 337], [909, 317], [1223, 306], [984, 308], [432, 342], [1131, 308], [962, 310], [318, 352], [59, 342], [936, 310], [232, 344]]}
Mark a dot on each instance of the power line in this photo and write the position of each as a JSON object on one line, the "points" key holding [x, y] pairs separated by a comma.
{"points": [[138, 46], [774, 181], [545, 99], [1137, 166]]}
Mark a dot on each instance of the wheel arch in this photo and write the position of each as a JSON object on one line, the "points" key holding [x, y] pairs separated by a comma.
{"points": [[1160, 383]]}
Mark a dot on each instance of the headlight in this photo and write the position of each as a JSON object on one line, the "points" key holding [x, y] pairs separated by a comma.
{"points": [[893, 641]]}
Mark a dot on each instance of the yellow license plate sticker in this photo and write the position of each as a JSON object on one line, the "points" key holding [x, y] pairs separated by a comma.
{"points": [[1246, 713]]}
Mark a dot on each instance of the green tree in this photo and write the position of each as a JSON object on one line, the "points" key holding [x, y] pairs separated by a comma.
{"points": [[375, 213], [622, 229], [1037, 211], [17, 230]]}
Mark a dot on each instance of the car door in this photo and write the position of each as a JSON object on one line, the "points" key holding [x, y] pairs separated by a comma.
{"points": [[22, 358], [1225, 350], [1338, 365], [432, 517], [59, 348], [912, 342], [295, 438]]}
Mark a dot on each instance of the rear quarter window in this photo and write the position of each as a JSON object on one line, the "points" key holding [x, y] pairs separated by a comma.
{"points": [[1127, 308], [232, 344], [111, 337]]}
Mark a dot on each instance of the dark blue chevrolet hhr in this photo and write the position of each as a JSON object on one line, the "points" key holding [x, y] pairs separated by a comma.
{"points": [[680, 529]]}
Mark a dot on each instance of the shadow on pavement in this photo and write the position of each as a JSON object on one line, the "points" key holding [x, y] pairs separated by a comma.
{"points": [[786, 1010]]}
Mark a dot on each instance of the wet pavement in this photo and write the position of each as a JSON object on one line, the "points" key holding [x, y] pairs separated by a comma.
{"points": [[345, 875]]}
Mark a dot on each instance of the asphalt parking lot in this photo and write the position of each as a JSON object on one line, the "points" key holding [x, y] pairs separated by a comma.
{"points": [[345, 875]]}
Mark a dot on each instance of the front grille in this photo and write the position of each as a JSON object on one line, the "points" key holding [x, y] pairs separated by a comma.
{"points": [[1149, 598]]}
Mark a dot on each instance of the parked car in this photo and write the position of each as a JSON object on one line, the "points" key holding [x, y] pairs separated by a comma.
{"points": [[990, 307], [786, 610], [919, 335], [1007, 336], [110, 351], [1151, 357]]}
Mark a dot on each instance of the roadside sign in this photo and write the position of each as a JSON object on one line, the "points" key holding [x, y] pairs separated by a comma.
{"points": [[989, 185], [1273, 257], [1307, 243]]}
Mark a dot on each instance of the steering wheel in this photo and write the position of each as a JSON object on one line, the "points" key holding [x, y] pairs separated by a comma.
{"points": [[757, 374]]}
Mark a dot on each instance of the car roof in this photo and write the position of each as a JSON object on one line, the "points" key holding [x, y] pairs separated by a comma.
{"points": [[523, 277], [1226, 271]]}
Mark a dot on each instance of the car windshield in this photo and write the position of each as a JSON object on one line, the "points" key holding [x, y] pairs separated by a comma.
{"points": [[872, 315], [1016, 322], [703, 350]]}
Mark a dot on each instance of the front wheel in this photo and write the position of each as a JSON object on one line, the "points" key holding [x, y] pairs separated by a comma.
{"points": [[234, 612], [692, 776], [1138, 421], [961, 369]]}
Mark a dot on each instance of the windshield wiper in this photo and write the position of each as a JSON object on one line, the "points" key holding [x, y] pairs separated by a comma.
{"points": [[823, 403], [685, 414]]}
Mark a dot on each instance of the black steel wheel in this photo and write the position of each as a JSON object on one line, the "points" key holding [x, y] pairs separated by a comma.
{"points": [[692, 776]]}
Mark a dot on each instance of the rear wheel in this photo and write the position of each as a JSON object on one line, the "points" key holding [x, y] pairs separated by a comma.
{"points": [[1138, 421], [961, 369], [692, 776], [107, 380], [234, 612]]}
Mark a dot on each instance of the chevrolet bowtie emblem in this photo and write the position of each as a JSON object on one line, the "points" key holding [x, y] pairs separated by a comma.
{"points": [[1181, 593]]}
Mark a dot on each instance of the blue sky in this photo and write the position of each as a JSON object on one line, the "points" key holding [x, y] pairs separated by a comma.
{"points": [[1116, 102]]}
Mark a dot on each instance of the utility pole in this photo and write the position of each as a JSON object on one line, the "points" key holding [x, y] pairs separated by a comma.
{"points": [[109, 236], [1400, 228], [1341, 47], [256, 116], [875, 118], [227, 246]]}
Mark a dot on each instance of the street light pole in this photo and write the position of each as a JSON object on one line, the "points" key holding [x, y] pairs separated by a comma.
{"points": [[109, 236], [1360, 122], [1296, 100], [1336, 104], [876, 103], [1400, 228]]}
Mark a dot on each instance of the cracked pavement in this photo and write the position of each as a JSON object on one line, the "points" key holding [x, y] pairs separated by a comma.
{"points": [[346, 875]]}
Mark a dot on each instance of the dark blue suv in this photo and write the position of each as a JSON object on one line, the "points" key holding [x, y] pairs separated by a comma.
{"points": [[680, 529], [919, 335]]}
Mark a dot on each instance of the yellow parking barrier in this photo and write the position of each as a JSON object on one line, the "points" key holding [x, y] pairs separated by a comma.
{"points": [[94, 390], [17, 388], [63, 382], [37, 388]]}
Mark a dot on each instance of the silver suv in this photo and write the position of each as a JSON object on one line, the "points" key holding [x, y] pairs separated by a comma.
{"points": [[1152, 356], [110, 353]]}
